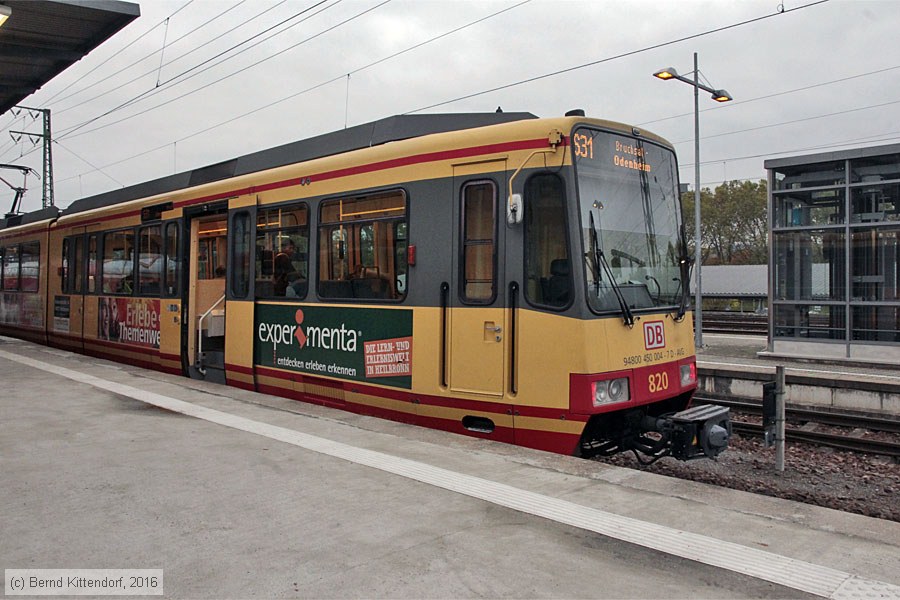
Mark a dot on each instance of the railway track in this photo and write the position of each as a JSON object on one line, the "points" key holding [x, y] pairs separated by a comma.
{"points": [[853, 429], [735, 323]]}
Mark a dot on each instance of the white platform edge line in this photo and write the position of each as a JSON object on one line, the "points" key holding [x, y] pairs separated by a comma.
{"points": [[796, 574]]}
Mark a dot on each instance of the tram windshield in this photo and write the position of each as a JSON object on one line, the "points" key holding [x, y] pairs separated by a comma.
{"points": [[634, 254]]}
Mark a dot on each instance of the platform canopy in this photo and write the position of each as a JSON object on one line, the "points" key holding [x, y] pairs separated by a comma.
{"points": [[42, 38]]}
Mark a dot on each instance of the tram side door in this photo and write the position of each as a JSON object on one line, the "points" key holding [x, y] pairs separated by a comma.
{"points": [[477, 339], [68, 307], [204, 315]]}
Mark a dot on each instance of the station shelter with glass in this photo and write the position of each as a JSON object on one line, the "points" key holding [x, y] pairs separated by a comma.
{"points": [[834, 255]]}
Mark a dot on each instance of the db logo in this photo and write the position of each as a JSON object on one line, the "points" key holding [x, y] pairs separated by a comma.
{"points": [[654, 335]]}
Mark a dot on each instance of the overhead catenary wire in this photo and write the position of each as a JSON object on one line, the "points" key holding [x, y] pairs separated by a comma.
{"points": [[153, 91], [565, 70], [128, 45], [321, 84], [617, 56], [150, 55]]}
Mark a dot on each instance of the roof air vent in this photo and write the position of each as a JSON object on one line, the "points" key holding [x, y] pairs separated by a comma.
{"points": [[578, 112]]}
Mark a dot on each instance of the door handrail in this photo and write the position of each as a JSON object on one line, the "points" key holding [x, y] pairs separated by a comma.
{"points": [[200, 333]]}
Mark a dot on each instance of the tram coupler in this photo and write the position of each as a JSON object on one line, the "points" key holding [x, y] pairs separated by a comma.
{"points": [[701, 431]]}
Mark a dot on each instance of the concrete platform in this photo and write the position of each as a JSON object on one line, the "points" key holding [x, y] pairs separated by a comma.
{"points": [[738, 365], [235, 494]]}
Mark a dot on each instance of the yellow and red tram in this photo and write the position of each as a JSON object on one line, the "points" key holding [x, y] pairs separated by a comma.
{"points": [[497, 275]]}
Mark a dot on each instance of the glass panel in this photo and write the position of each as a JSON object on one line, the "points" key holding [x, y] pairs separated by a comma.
{"points": [[92, 264], [548, 278], [118, 262], [820, 207], [64, 274], [478, 242], [78, 266], [811, 321], [815, 175], [150, 260], [875, 203], [876, 168], [875, 260], [30, 266], [631, 221], [11, 268], [172, 262], [359, 246], [212, 255], [876, 323], [810, 265], [240, 253], [282, 252]]}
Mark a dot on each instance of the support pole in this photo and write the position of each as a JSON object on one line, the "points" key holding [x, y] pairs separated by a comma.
{"points": [[698, 257], [779, 418]]}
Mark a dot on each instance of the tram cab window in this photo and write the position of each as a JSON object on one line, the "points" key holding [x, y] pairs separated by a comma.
{"points": [[361, 241], [548, 267], [282, 252], [118, 262]]}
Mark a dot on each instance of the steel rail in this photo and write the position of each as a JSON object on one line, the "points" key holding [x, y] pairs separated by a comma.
{"points": [[843, 442], [825, 417]]}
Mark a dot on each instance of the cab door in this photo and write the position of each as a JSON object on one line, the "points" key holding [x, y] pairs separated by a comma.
{"points": [[477, 353]]}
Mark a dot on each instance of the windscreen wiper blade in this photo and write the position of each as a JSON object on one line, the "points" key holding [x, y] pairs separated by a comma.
{"points": [[685, 293], [600, 259]]}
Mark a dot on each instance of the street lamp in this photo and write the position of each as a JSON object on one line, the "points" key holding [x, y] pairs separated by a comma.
{"points": [[718, 96]]}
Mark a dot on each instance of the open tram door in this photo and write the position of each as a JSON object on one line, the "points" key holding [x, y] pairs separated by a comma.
{"points": [[478, 343], [203, 329]]}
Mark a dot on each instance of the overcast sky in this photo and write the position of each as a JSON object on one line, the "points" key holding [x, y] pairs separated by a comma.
{"points": [[804, 80]]}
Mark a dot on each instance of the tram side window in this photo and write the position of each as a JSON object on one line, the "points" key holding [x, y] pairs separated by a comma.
{"points": [[30, 266], [548, 268], [150, 260], [479, 232], [77, 286], [64, 272], [360, 243], [11, 268], [93, 272], [282, 252], [118, 262], [240, 253], [171, 259]]}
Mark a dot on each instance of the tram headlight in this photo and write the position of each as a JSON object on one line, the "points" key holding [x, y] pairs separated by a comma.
{"points": [[688, 374], [610, 391]]}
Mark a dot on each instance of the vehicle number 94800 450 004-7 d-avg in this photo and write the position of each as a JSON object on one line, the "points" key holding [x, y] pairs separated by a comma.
{"points": [[651, 357]]}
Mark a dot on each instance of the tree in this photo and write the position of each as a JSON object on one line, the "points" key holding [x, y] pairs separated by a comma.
{"points": [[734, 226]]}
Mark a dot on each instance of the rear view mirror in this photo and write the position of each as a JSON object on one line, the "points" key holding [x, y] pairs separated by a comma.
{"points": [[514, 209]]}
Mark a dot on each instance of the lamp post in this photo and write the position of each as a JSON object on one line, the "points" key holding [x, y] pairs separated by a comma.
{"points": [[718, 96]]}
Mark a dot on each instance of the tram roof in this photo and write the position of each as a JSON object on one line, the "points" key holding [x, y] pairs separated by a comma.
{"points": [[36, 216], [390, 129]]}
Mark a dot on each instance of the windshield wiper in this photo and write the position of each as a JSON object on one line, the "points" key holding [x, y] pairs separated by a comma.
{"points": [[600, 259], [685, 292]]}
